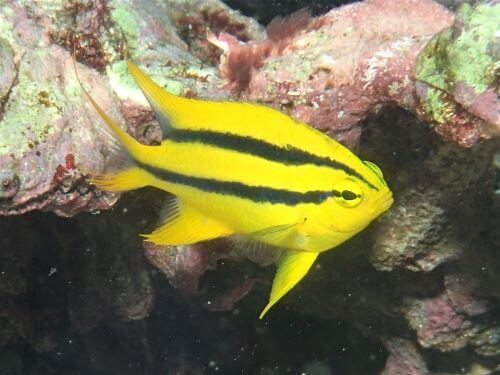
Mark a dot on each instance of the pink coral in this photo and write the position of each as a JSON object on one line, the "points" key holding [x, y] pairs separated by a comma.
{"points": [[184, 265], [443, 321], [333, 70]]}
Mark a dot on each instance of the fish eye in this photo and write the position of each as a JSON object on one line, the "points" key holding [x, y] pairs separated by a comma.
{"points": [[347, 193]]}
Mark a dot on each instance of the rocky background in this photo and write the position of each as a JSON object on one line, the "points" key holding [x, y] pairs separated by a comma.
{"points": [[411, 85]]}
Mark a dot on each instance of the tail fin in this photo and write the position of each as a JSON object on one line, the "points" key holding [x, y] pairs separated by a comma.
{"points": [[122, 172]]}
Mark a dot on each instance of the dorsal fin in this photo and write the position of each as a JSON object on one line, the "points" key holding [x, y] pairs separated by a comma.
{"points": [[244, 119], [176, 112], [162, 102]]}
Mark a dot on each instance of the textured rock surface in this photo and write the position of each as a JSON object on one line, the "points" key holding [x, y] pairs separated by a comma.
{"points": [[457, 76], [340, 59], [438, 254], [333, 70], [75, 298], [46, 135], [404, 359], [329, 71]]}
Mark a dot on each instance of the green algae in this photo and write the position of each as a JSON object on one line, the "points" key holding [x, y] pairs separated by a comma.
{"points": [[472, 57], [27, 123], [488, 341], [173, 79], [33, 107], [459, 63], [6, 25], [440, 109], [464, 52], [128, 20]]}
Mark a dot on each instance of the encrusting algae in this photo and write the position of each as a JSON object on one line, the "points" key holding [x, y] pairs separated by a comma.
{"points": [[247, 169]]}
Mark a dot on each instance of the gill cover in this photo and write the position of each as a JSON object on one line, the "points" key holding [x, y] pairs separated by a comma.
{"points": [[375, 169]]}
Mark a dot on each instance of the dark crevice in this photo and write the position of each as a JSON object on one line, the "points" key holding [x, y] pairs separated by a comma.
{"points": [[265, 11]]}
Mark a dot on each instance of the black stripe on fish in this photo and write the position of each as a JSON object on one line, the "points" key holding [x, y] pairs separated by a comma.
{"points": [[260, 194], [288, 155]]}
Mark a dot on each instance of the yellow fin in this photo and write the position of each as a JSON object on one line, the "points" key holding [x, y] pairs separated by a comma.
{"points": [[119, 136], [185, 226], [178, 112], [293, 266], [277, 235], [127, 179], [165, 105], [122, 172]]}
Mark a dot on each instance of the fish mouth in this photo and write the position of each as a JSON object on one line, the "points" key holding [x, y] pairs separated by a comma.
{"points": [[384, 203]]}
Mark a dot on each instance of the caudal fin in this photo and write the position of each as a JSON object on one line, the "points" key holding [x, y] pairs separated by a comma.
{"points": [[122, 171], [123, 180]]}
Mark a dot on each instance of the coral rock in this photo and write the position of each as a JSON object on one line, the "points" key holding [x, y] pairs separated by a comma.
{"points": [[48, 139], [457, 76], [331, 71], [404, 359]]}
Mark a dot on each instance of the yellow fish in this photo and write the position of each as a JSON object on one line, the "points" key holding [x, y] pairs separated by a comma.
{"points": [[242, 168]]}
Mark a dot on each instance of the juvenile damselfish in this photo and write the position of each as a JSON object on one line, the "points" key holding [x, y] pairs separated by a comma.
{"points": [[247, 169]]}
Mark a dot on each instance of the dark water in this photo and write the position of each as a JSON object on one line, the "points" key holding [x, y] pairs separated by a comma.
{"points": [[74, 325]]}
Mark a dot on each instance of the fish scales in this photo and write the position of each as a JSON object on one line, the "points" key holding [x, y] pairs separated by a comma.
{"points": [[206, 161], [254, 193], [288, 155]]}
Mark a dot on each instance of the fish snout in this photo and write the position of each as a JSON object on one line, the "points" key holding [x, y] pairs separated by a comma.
{"points": [[383, 203]]}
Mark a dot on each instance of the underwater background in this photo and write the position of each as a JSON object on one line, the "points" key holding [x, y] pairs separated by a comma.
{"points": [[411, 85]]}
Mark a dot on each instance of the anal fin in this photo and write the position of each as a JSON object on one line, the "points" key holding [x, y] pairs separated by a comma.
{"points": [[292, 267], [186, 225]]}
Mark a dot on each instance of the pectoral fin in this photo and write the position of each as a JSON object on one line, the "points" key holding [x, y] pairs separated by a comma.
{"points": [[277, 235], [292, 267], [186, 226]]}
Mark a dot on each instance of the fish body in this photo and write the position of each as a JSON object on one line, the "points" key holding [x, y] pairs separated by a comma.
{"points": [[242, 168]]}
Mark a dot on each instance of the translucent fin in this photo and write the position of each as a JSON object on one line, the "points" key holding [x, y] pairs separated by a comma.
{"points": [[169, 209], [186, 225], [275, 235], [118, 133], [122, 172], [257, 251], [127, 179], [292, 267]]}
